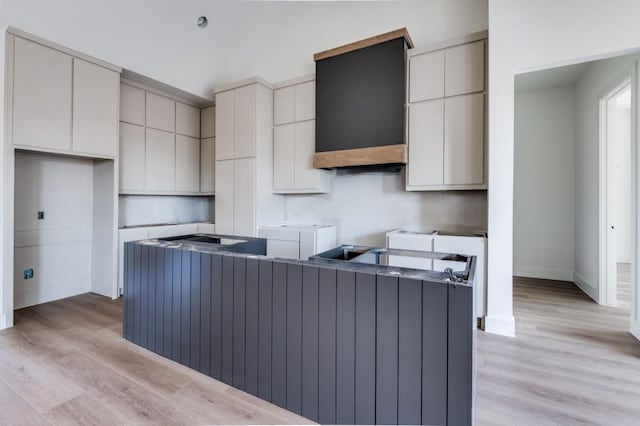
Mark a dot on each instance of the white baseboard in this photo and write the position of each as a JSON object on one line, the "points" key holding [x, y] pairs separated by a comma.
{"points": [[555, 274], [586, 286], [39, 295], [505, 326]]}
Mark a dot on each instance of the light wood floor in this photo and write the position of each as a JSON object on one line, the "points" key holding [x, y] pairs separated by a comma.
{"points": [[572, 362]]}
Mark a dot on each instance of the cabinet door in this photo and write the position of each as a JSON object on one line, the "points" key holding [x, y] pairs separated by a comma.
{"points": [[161, 112], [95, 109], [284, 105], [132, 104], [187, 120], [187, 164], [207, 165], [426, 76], [245, 121], [426, 139], [208, 122], [464, 140], [225, 125], [244, 190], [305, 101], [160, 161], [41, 96], [132, 157], [283, 156], [464, 69], [306, 177], [224, 197], [284, 249]]}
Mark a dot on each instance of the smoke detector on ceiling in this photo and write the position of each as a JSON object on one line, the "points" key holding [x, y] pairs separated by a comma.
{"points": [[203, 22]]}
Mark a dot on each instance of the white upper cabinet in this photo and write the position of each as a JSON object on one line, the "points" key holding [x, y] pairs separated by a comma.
{"points": [[208, 122], [132, 104], [187, 164], [187, 120], [245, 121], [464, 69], [160, 161], [284, 105], [95, 109], [306, 177], [207, 165], [305, 101], [225, 125], [42, 91], [426, 148], [426, 76], [161, 113], [283, 157], [132, 157], [464, 140]]}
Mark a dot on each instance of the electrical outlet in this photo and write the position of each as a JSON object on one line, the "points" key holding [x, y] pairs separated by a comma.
{"points": [[40, 215], [28, 274]]}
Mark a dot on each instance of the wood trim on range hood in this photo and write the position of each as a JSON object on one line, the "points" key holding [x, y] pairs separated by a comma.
{"points": [[388, 154], [371, 41]]}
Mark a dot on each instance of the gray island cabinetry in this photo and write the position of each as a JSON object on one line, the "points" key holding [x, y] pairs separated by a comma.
{"points": [[338, 343]]}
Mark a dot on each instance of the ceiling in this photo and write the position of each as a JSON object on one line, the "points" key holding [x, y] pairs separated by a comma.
{"points": [[549, 78], [276, 40]]}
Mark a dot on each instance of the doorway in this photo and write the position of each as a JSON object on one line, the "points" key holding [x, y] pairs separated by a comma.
{"points": [[616, 200]]}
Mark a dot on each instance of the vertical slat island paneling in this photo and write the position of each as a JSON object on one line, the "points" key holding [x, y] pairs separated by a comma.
{"points": [[333, 344]]}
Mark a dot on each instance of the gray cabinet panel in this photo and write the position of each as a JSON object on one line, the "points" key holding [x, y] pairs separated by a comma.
{"points": [[294, 338], [185, 305], [387, 350], [227, 320], [168, 301], [137, 257], [176, 302], [159, 305], [264, 329], [144, 301], [151, 300], [460, 348], [327, 346], [345, 348], [251, 327], [205, 313], [129, 267], [310, 342], [409, 351], [279, 348], [216, 316], [239, 292], [365, 347], [194, 350], [434, 353]]}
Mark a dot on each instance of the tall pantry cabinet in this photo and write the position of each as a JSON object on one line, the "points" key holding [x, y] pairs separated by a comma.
{"points": [[244, 159]]}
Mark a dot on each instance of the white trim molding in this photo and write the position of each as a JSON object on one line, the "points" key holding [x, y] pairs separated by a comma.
{"points": [[505, 326]]}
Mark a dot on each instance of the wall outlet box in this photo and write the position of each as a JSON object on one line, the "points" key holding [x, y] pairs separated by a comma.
{"points": [[40, 215], [28, 274]]}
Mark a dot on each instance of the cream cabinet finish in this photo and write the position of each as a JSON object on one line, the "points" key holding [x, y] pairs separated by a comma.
{"points": [[426, 149], [208, 122], [244, 214], [42, 96], [245, 122], [160, 160], [95, 109], [161, 113], [464, 140], [284, 157], [426, 76], [305, 176], [224, 196], [132, 104], [284, 105], [132, 157], [187, 120], [464, 70], [225, 125], [305, 101], [207, 165], [187, 164]]}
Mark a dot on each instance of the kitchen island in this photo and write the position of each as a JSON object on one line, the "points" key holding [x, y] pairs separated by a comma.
{"points": [[337, 342]]}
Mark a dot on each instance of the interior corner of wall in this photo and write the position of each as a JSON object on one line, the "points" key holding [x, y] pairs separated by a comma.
{"points": [[586, 286]]}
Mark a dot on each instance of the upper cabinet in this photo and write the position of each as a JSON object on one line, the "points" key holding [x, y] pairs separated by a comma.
{"points": [[294, 140], [208, 122], [61, 103], [446, 117], [187, 120], [132, 105], [161, 113], [207, 149]]}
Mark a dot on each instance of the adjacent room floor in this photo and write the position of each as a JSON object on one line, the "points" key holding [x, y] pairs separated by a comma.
{"points": [[64, 362]]}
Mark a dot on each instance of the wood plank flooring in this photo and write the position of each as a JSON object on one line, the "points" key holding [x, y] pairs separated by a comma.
{"points": [[572, 362]]}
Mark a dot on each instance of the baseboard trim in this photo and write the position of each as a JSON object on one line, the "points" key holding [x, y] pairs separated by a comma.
{"points": [[504, 326], [543, 273], [587, 287]]}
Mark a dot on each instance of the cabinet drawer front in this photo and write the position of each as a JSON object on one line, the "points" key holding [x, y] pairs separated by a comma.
{"points": [[285, 249], [161, 113], [426, 76], [187, 164], [225, 125], [426, 143], [132, 104], [410, 243], [464, 140], [187, 120], [464, 67], [132, 157], [160, 160], [41, 96]]}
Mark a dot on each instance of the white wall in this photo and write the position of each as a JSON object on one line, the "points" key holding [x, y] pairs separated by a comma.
{"points": [[526, 36], [623, 183], [364, 206], [58, 247], [544, 183], [147, 210]]}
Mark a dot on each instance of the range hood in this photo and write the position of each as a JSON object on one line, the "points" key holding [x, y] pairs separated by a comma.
{"points": [[361, 102]]}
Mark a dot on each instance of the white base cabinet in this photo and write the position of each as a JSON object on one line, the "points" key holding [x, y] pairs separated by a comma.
{"points": [[291, 241]]}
